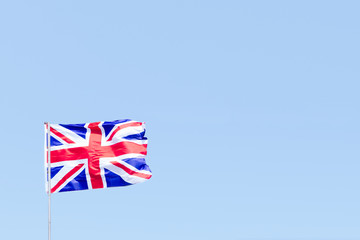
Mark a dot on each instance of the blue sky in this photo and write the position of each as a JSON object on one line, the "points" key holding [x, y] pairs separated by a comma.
{"points": [[252, 113]]}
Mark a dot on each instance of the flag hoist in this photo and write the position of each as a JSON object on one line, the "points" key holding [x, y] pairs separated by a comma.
{"points": [[47, 125]]}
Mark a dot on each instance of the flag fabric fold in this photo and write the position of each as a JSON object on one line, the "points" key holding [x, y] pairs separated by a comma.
{"points": [[96, 155]]}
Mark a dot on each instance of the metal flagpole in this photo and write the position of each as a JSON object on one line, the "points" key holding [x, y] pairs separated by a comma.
{"points": [[49, 180]]}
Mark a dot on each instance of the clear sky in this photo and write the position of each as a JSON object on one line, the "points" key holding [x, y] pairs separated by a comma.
{"points": [[251, 107]]}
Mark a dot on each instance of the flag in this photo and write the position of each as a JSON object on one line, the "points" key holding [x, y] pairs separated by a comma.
{"points": [[96, 155]]}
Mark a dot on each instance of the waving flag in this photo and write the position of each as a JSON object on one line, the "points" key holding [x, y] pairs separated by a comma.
{"points": [[97, 155]]}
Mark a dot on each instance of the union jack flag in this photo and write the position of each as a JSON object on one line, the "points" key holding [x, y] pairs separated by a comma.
{"points": [[96, 155]]}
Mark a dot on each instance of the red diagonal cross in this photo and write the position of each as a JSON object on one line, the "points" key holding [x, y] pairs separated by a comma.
{"points": [[94, 152]]}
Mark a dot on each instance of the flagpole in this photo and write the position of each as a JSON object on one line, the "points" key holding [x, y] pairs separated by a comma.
{"points": [[49, 180]]}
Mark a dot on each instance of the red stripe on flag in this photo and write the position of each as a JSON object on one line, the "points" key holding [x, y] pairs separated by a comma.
{"points": [[132, 124], [94, 156], [131, 172], [66, 177], [128, 147], [115, 150], [69, 154], [60, 135]]}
